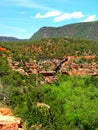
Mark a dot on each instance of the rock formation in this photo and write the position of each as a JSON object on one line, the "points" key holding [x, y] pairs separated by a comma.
{"points": [[8, 121], [49, 67]]}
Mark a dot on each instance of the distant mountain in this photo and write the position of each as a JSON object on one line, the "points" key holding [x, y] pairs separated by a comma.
{"points": [[84, 30], [8, 39]]}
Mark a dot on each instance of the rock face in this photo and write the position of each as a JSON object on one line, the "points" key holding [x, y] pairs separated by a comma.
{"points": [[9, 122]]}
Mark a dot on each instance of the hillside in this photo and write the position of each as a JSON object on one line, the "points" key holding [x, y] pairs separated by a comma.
{"points": [[55, 47], [51, 56], [8, 39], [84, 30], [51, 84]]}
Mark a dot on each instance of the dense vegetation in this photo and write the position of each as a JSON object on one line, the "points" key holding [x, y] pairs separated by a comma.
{"points": [[85, 30], [72, 101], [56, 47]]}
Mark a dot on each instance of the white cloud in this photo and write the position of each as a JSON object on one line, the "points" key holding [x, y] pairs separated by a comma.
{"points": [[77, 14], [49, 14], [64, 16], [90, 18], [60, 16]]}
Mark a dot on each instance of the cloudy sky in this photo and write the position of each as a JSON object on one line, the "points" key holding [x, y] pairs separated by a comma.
{"points": [[22, 18]]}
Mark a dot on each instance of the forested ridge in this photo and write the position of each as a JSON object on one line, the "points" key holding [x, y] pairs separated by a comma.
{"points": [[83, 30]]}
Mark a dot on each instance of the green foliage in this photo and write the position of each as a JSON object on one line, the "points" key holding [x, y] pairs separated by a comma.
{"points": [[4, 67], [73, 102], [76, 99]]}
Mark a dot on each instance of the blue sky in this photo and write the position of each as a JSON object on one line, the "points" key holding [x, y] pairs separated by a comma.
{"points": [[22, 18]]}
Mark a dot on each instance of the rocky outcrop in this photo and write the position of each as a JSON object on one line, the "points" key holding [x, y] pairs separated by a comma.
{"points": [[80, 65], [8, 121], [49, 67]]}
